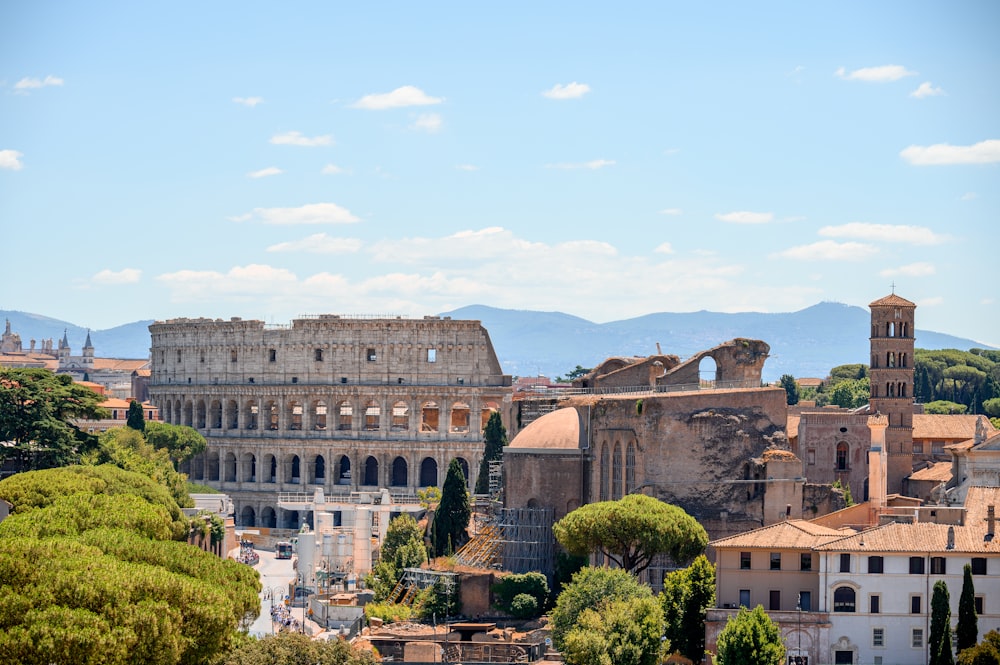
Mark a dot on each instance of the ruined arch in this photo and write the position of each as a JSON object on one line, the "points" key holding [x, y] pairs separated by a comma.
{"points": [[371, 472], [201, 411], [293, 469], [268, 518], [373, 415], [487, 411], [428, 472], [318, 470], [399, 473], [345, 416], [249, 468], [460, 415], [430, 416], [344, 470], [318, 412], [212, 464], [248, 517], [295, 413], [270, 469], [188, 414], [252, 414], [271, 415], [400, 417]]}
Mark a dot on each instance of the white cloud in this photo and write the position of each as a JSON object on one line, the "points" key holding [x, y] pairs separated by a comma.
{"points": [[968, 196], [920, 269], [828, 250], [572, 90], [664, 248], [745, 217], [296, 138], [313, 213], [30, 83], [671, 151], [881, 74], [984, 152], [671, 211], [319, 243], [467, 167], [333, 169], [428, 122], [126, 276], [593, 164], [406, 95], [11, 160], [248, 101], [931, 302], [246, 283], [263, 173], [889, 233], [926, 90]]}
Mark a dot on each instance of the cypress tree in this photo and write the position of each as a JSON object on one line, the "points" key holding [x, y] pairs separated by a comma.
{"points": [[967, 631], [453, 513], [940, 637], [135, 418], [495, 438]]}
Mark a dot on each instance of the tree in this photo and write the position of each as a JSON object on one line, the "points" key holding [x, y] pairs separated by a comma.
{"points": [[495, 438], [687, 596], [128, 449], [991, 407], [943, 406], [967, 630], [620, 632], [135, 418], [451, 518], [574, 374], [851, 394], [986, 652], [37, 409], [296, 649], [847, 372], [939, 641], [750, 638], [631, 531], [787, 382], [404, 543], [510, 587], [180, 441], [590, 588]]}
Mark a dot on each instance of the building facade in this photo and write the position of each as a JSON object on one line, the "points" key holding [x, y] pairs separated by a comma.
{"points": [[339, 404]]}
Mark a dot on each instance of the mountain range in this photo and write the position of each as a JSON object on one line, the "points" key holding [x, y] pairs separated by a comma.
{"points": [[806, 343]]}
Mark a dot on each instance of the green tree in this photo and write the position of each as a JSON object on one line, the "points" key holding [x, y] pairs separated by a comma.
{"points": [[128, 449], [853, 371], [939, 642], [991, 407], [494, 438], [750, 638], [631, 531], [535, 585], [851, 394], [942, 406], [620, 632], [452, 516], [135, 419], [787, 382], [404, 543], [687, 596], [37, 410], [180, 441], [986, 652], [574, 374], [590, 588], [441, 600], [967, 630], [296, 649]]}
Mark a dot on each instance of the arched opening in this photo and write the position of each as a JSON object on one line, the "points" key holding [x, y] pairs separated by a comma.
{"points": [[400, 417], [904, 329], [319, 470], [201, 411], [295, 415], [230, 468], [428, 472], [188, 411], [167, 411], [271, 415], [890, 359], [270, 469], [616, 473], [373, 414], [344, 470], [319, 415], [708, 371], [291, 519], [630, 468], [605, 471], [198, 467], [345, 414], [430, 415], [248, 517], [249, 468], [843, 599], [213, 467], [232, 414], [842, 456], [216, 414], [487, 411], [294, 469], [371, 472], [268, 518], [890, 329], [399, 473], [252, 415], [178, 412], [460, 417]]}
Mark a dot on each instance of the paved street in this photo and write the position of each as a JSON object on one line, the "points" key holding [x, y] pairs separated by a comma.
{"points": [[275, 574]]}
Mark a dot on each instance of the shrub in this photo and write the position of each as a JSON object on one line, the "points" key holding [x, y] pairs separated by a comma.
{"points": [[524, 606]]}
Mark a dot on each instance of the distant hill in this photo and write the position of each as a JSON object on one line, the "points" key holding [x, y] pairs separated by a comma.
{"points": [[804, 343]]}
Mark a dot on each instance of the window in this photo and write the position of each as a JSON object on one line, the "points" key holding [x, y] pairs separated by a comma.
{"points": [[431, 355], [978, 565], [918, 447], [878, 637], [178, 355], [915, 601], [806, 561], [937, 447], [744, 597], [875, 564], [744, 560], [272, 355], [774, 600], [232, 356], [980, 602], [875, 603], [811, 456], [318, 355], [370, 355], [938, 565], [917, 638], [843, 599], [841, 456], [805, 601], [775, 560], [845, 563], [916, 565]]}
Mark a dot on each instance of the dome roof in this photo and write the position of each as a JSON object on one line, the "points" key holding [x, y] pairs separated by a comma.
{"points": [[559, 430]]}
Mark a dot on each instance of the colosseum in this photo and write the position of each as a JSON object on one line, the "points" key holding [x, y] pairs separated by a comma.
{"points": [[331, 403]]}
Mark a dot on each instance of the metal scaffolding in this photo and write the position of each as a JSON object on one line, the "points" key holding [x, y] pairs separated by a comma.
{"points": [[526, 540]]}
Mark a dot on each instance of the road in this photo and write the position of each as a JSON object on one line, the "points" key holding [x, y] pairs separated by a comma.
{"points": [[275, 574]]}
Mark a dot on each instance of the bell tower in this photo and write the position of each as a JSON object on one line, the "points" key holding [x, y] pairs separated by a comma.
{"points": [[891, 373]]}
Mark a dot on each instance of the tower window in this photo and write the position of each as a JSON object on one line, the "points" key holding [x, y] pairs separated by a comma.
{"points": [[272, 355], [318, 355]]}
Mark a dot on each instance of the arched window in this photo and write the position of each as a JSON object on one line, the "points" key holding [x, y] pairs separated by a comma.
{"points": [[251, 414], [201, 414], [616, 473], [430, 415], [399, 473], [294, 469], [319, 415], [295, 415], [247, 517], [345, 414], [215, 414], [459, 417], [604, 471], [843, 599], [842, 456], [373, 413], [268, 518], [232, 415], [249, 468], [890, 359], [371, 471], [400, 417], [428, 472], [344, 472], [229, 472], [271, 415], [630, 468], [319, 470]]}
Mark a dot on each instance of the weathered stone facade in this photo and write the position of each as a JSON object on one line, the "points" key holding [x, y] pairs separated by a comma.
{"points": [[342, 404]]}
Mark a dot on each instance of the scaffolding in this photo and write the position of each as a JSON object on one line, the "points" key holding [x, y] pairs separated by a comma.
{"points": [[415, 580], [526, 539]]}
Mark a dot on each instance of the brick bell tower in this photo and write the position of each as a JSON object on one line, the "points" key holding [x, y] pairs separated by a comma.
{"points": [[891, 373]]}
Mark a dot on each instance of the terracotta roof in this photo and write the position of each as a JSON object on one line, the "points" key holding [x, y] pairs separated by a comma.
{"points": [[923, 537], [977, 500], [793, 534], [892, 301], [120, 364], [809, 382], [938, 472], [947, 426]]}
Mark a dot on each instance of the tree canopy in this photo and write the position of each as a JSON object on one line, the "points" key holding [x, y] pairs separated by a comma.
{"points": [[986, 652], [37, 409], [296, 649], [750, 638], [452, 516], [631, 531], [590, 588], [619, 632], [687, 596], [180, 441], [787, 382], [136, 420]]}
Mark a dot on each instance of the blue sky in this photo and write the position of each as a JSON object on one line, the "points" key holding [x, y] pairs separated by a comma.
{"points": [[268, 160]]}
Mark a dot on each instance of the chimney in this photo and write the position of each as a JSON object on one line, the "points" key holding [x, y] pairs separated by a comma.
{"points": [[991, 522], [951, 538]]}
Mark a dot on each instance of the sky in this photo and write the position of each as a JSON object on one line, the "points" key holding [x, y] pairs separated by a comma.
{"points": [[606, 160]]}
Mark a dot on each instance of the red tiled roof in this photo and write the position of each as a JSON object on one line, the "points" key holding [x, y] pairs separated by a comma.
{"points": [[892, 301]]}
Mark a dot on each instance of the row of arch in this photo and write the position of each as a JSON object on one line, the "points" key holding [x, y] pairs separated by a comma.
{"points": [[892, 329], [616, 471], [892, 360], [892, 389], [312, 470], [317, 415]]}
